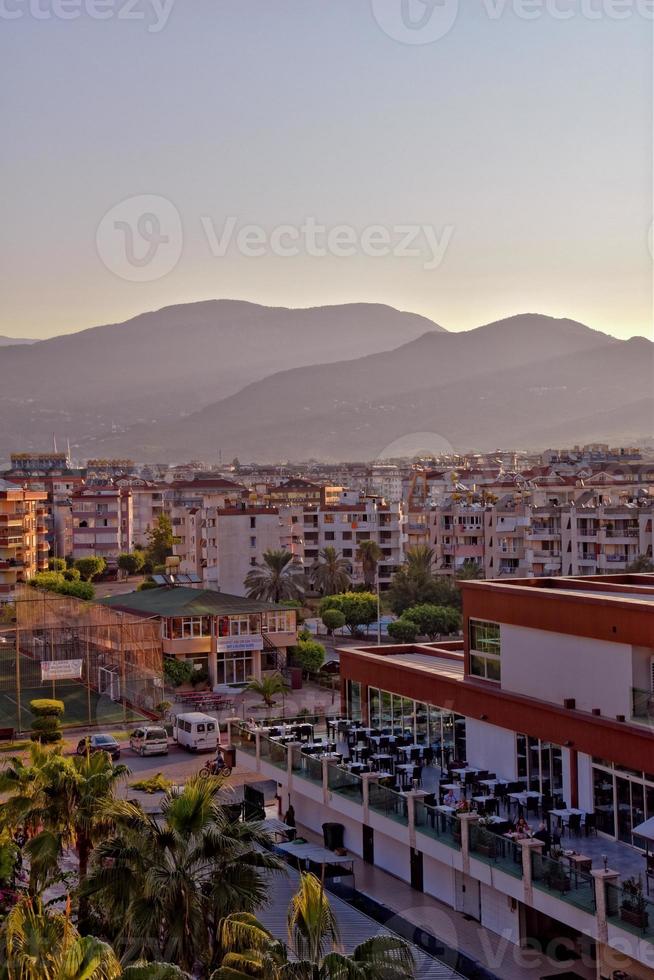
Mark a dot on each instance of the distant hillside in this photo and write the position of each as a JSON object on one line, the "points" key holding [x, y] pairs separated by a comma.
{"points": [[173, 361], [529, 380], [14, 341]]}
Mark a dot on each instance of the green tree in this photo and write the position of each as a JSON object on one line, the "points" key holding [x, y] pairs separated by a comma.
{"points": [[420, 558], [641, 564], [164, 884], [89, 568], [268, 687], [159, 541], [331, 573], [358, 608], [58, 582], [369, 554], [72, 575], [276, 579], [403, 630], [314, 941], [57, 564], [36, 944], [333, 619], [309, 655], [433, 620], [131, 562]]}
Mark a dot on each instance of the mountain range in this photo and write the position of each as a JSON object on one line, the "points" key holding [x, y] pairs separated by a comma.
{"points": [[341, 382]]}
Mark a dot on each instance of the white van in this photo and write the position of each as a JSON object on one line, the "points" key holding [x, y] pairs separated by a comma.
{"points": [[149, 740], [196, 731]]}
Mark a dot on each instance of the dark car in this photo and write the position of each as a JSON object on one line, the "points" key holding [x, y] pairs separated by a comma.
{"points": [[100, 743]]}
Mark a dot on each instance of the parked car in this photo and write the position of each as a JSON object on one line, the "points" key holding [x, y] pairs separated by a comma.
{"points": [[149, 740], [99, 743], [196, 731]]}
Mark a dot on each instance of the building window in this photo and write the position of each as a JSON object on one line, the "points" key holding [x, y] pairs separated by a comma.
{"points": [[253, 522], [354, 700], [329, 535], [484, 649], [253, 542], [235, 670]]}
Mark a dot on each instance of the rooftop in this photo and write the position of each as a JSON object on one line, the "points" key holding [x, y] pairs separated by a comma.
{"points": [[181, 601]]}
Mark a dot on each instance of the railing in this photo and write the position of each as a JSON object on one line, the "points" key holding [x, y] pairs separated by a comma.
{"points": [[624, 532], [630, 909], [495, 849], [345, 783], [307, 767], [568, 883], [273, 752], [437, 825], [388, 803], [642, 704], [244, 740]]}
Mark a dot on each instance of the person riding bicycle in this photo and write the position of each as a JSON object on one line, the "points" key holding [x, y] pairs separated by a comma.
{"points": [[218, 760]]}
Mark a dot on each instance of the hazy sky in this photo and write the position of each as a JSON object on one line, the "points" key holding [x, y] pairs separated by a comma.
{"points": [[514, 153]]}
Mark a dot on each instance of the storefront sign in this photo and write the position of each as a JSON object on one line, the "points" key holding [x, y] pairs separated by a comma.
{"points": [[58, 670], [234, 644]]}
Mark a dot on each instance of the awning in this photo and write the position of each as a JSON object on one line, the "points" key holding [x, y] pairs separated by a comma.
{"points": [[645, 829]]}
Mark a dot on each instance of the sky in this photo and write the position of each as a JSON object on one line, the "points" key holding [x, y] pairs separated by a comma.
{"points": [[465, 161]]}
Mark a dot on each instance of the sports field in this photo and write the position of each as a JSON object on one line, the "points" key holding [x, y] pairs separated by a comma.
{"points": [[82, 706]]}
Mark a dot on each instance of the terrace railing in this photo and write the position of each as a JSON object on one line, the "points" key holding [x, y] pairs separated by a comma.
{"points": [[564, 881], [495, 849], [437, 825], [388, 803], [627, 907]]}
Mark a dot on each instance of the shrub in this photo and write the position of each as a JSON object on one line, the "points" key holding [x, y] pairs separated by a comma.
{"points": [[178, 671], [403, 630], [433, 620], [309, 655], [46, 726], [91, 567], [154, 784], [57, 564], [72, 575]]}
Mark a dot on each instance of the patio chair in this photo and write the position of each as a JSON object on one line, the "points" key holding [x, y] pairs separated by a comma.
{"points": [[573, 824], [590, 824]]}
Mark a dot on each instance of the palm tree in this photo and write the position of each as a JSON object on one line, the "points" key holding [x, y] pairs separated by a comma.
{"points": [[420, 558], [163, 885], [314, 939], [268, 687], [276, 579], [469, 570], [331, 573], [40, 945], [154, 971], [641, 564], [369, 554]]}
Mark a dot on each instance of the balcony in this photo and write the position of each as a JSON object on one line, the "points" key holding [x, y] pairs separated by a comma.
{"points": [[543, 534], [642, 705]]}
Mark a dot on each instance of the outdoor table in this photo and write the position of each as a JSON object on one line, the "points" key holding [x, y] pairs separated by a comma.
{"points": [[484, 799], [278, 828], [314, 854], [462, 773], [444, 808], [492, 783], [567, 812], [381, 756], [521, 798], [578, 862]]}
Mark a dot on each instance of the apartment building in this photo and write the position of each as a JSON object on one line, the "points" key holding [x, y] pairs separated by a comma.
{"points": [[222, 544], [345, 526], [102, 522], [23, 536], [545, 709]]}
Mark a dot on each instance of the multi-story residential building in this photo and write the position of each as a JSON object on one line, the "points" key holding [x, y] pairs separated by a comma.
{"points": [[345, 526], [148, 502], [23, 543], [456, 533], [546, 708], [230, 637], [222, 544], [52, 474], [102, 522]]}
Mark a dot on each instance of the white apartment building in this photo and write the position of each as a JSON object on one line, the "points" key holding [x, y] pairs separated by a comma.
{"points": [[102, 522]]}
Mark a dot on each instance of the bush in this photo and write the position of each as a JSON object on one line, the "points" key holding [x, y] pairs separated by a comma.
{"points": [[148, 584], [46, 726], [403, 630], [178, 671], [309, 655], [358, 608], [433, 620], [333, 619], [131, 562], [72, 575], [56, 582], [199, 677], [153, 784], [57, 564]]}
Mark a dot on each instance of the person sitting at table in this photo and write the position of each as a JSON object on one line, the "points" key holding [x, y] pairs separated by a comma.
{"points": [[450, 798], [544, 835], [522, 827]]}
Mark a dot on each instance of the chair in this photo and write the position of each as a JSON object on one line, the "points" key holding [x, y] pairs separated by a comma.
{"points": [[649, 870], [590, 825], [417, 774], [573, 824]]}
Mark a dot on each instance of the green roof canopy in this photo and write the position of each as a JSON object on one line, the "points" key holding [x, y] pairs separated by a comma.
{"points": [[181, 601]]}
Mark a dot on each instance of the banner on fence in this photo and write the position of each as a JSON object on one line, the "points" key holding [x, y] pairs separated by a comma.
{"points": [[59, 670]]}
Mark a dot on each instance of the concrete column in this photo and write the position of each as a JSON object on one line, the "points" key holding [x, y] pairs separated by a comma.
{"points": [[602, 879], [465, 819], [257, 742], [411, 811], [289, 768], [529, 845], [366, 778], [325, 781]]}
